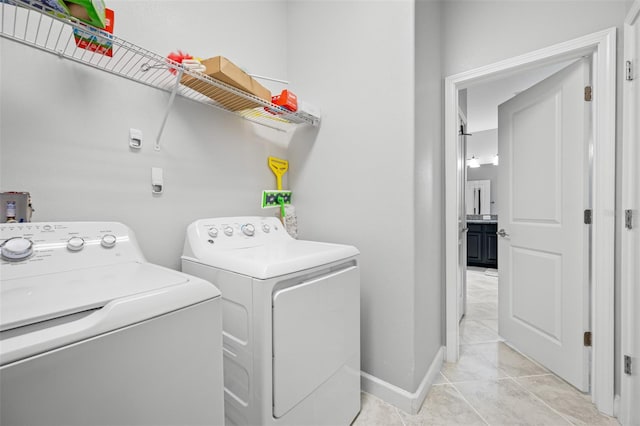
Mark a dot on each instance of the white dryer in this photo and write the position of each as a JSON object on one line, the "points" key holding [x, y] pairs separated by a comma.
{"points": [[291, 320], [92, 334]]}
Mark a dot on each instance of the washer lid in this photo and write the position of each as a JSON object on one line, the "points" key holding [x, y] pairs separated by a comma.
{"points": [[25, 301], [277, 259]]}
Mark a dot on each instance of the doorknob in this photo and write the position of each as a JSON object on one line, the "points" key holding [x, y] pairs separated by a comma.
{"points": [[464, 229], [502, 233]]}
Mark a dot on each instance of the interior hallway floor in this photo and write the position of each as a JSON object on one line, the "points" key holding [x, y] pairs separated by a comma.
{"points": [[491, 384]]}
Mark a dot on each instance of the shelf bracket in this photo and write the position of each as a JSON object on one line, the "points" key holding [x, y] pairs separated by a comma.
{"points": [[166, 113]]}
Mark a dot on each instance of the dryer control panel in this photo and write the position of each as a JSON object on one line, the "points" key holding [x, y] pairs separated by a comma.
{"points": [[33, 248], [237, 232]]}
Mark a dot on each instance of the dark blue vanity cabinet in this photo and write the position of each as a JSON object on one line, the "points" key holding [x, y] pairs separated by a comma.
{"points": [[482, 245]]}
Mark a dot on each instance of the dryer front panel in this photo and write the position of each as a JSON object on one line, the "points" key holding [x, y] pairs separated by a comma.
{"points": [[316, 333]]}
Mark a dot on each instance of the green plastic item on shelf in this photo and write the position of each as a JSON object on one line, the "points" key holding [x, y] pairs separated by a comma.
{"points": [[90, 11]]}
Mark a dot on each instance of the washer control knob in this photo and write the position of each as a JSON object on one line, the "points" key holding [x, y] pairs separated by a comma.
{"points": [[108, 241], [16, 249], [266, 228], [228, 230], [75, 243], [248, 230], [213, 232]]}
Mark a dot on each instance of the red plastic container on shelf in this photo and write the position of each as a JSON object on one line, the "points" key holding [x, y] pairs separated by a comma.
{"points": [[286, 99]]}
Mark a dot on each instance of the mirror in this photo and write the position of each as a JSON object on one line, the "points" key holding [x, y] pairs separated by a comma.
{"points": [[478, 197]]}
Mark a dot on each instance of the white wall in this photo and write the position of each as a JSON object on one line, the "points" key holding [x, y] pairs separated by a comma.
{"points": [[355, 183], [483, 145], [477, 33], [64, 127], [429, 188]]}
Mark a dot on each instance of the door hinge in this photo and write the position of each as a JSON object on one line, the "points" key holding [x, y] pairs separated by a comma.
{"points": [[627, 365], [628, 71], [587, 338], [588, 217], [628, 219], [587, 93]]}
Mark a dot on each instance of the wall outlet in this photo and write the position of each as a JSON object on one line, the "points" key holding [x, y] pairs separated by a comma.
{"points": [[157, 181], [135, 138]]}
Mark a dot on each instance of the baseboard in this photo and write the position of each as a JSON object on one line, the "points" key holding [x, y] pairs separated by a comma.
{"points": [[617, 408], [404, 400]]}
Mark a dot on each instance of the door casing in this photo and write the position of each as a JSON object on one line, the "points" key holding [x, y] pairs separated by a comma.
{"points": [[602, 45], [462, 219], [630, 384]]}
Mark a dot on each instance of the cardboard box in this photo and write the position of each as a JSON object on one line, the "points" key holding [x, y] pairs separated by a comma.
{"points": [[97, 40], [90, 11], [226, 71]]}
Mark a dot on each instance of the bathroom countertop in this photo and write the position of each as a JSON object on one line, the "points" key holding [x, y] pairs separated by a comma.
{"points": [[482, 218]]}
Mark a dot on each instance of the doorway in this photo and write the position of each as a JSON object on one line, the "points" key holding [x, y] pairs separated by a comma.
{"points": [[602, 46], [479, 324]]}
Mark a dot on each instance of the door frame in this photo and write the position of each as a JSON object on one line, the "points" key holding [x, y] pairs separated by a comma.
{"points": [[628, 275], [463, 227], [602, 45]]}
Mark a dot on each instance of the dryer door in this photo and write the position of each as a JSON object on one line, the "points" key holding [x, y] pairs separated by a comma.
{"points": [[316, 335]]}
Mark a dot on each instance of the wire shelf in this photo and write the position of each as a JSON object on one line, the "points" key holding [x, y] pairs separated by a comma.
{"points": [[32, 23]]}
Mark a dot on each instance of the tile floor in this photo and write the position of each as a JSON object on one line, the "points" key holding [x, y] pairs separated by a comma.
{"points": [[491, 384]]}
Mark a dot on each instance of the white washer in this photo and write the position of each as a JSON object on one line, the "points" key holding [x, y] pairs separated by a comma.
{"points": [[90, 333], [291, 319]]}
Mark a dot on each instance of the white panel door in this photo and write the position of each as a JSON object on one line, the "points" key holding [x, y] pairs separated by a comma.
{"points": [[543, 179]]}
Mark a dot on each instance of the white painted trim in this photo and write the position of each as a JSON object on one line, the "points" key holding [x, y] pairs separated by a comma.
{"points": [[452, 188], [603, 230], [616, 408], [404, 400], [629, 256], [602, 46], [634, 13]]}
